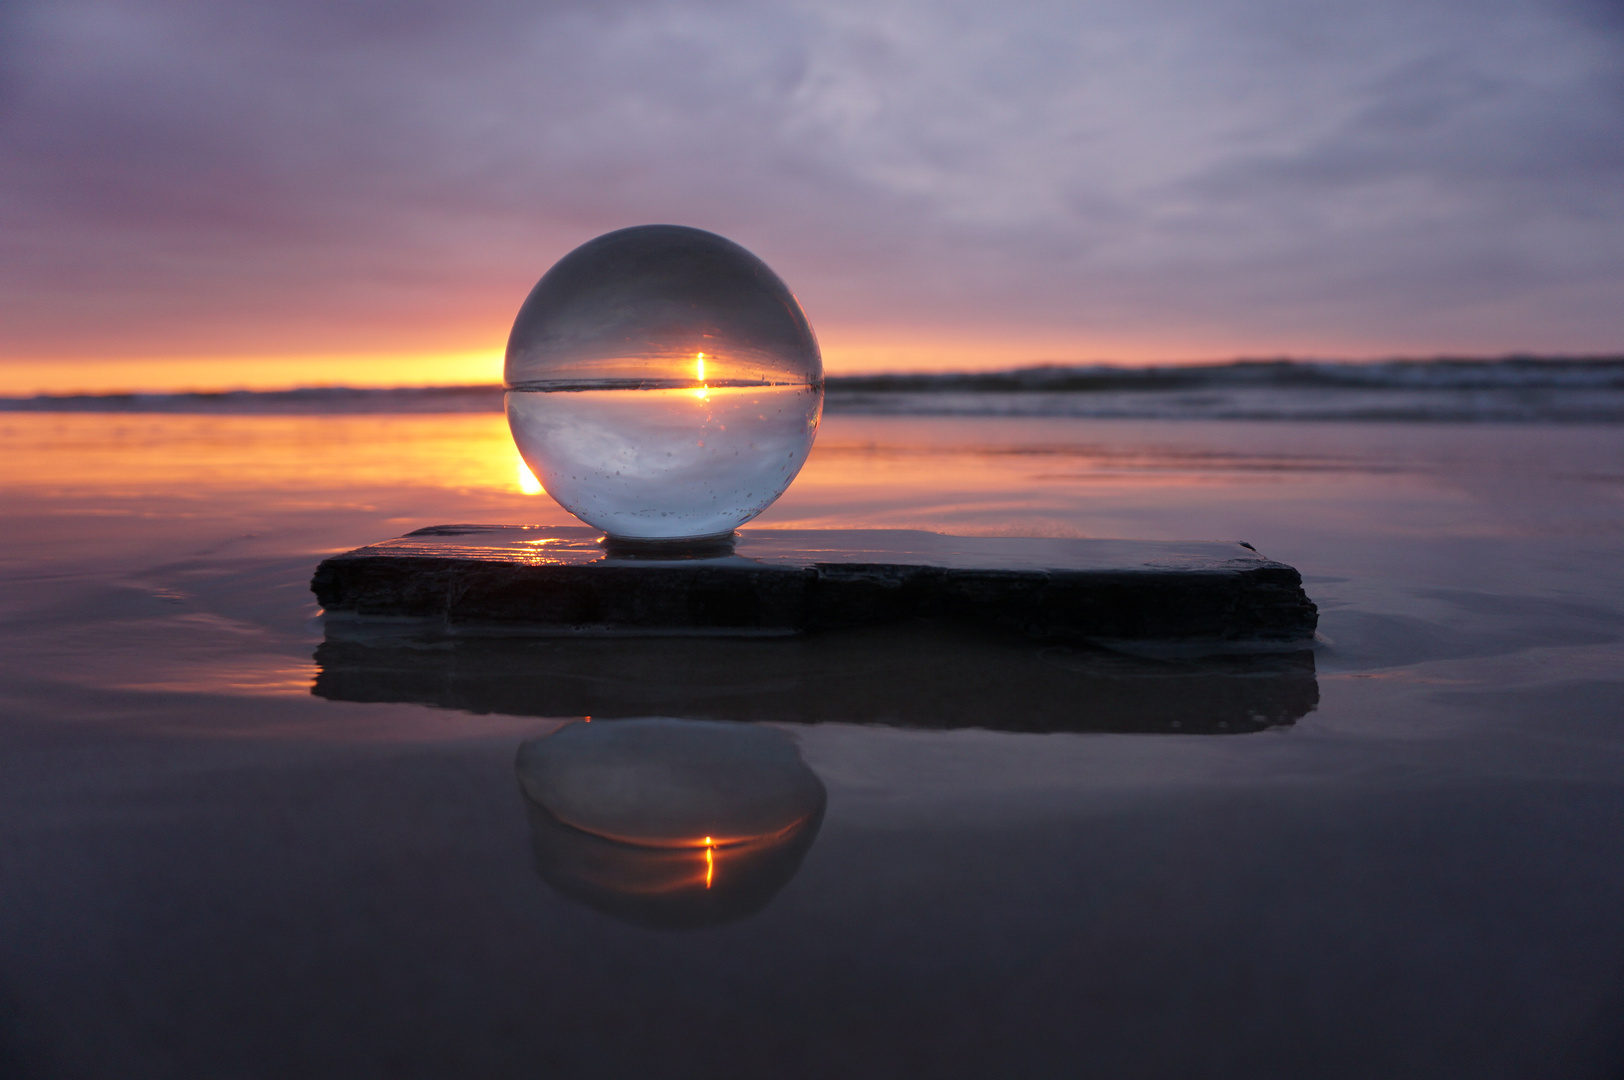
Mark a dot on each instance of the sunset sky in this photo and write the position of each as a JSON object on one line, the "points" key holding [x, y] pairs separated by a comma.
{"points": [[207, 194]]}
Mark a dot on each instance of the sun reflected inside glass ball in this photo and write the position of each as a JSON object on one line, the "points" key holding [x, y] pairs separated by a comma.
{"points": [[663, 384]]}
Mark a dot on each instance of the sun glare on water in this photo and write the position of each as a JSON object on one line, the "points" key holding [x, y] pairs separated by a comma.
{"points": [[527, 479]]}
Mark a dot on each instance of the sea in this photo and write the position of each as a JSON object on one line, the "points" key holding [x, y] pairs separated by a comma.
{"points": [[236, 843]]}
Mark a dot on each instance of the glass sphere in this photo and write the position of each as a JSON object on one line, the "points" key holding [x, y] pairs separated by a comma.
{"points": [[663, 384]]}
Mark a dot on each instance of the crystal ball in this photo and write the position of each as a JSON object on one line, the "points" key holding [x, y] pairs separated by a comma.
{"points": [[663, 384]]}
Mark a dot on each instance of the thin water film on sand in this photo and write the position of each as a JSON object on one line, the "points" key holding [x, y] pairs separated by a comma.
{"points": [[240, 843]]}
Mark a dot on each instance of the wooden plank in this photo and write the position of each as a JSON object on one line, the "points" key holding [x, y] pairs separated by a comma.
{"points": [[563, 581]]}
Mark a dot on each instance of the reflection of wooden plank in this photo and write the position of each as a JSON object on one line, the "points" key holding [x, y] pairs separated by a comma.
{"points": [[916, 674], [543, 580]]}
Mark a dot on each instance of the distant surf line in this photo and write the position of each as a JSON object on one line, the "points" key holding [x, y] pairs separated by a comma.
{"points": [[1440, 389]]}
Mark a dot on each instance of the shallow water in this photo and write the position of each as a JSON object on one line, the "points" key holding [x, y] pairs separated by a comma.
{"points": [[1410, 866]]}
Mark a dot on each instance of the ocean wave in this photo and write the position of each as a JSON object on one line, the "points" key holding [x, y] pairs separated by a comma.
{"points": [[1444, 373], [1259, 404], [1512, 390], [1508, 390]]}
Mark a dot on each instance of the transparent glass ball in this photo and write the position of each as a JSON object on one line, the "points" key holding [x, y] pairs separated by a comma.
{"points": [[663, 384]]}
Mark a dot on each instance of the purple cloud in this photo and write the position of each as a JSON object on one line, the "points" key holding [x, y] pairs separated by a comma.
{"points": [[193, 176]]}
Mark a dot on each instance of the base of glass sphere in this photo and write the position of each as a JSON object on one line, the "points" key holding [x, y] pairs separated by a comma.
{"points": [[699, 547]]}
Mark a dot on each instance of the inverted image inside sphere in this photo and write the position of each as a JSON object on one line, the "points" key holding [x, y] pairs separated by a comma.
{"points": [[639, 302]]}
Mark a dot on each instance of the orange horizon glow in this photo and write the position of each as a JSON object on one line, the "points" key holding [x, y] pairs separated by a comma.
{"points": [[216, 374], [846, 351]]}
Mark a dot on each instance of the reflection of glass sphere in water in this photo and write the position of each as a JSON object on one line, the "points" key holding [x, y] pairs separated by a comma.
{"points": [[663, 384], [670, 823]]}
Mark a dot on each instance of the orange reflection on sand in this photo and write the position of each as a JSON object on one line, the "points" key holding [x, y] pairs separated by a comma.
{"points": [[992, 480], [272, 676], [848, 465], [167, 453]]}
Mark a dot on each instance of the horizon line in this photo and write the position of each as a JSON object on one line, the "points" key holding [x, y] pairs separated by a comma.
{"points": [[903, 375]]}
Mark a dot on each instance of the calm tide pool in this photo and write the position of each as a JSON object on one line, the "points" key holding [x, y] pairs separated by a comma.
{"points": [[232, 847]]}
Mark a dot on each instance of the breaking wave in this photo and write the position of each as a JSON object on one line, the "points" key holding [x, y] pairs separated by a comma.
{"points": [[1514, 389]]}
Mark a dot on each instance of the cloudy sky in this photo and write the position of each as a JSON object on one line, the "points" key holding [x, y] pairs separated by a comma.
{"points": [[369, 186]]}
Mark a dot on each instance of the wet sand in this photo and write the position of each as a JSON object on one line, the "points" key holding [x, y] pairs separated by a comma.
{"points": [[232, 848]]}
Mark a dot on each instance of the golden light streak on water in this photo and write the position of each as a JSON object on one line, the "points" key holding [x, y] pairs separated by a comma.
{"points": [[168, 454]]}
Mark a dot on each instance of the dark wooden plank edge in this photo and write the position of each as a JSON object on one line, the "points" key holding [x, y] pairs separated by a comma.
{"points": [[1261, 603]]}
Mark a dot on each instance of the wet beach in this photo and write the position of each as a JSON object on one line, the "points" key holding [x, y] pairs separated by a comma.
{"points": [[236, 845]]}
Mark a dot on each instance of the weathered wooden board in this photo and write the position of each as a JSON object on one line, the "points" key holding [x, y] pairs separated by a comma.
{"points": [[563, 581]]}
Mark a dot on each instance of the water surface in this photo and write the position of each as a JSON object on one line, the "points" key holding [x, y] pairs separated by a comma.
{"points": [[232, 847]]}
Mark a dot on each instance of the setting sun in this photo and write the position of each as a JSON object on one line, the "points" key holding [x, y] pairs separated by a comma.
{"points": [[701, 391]]}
